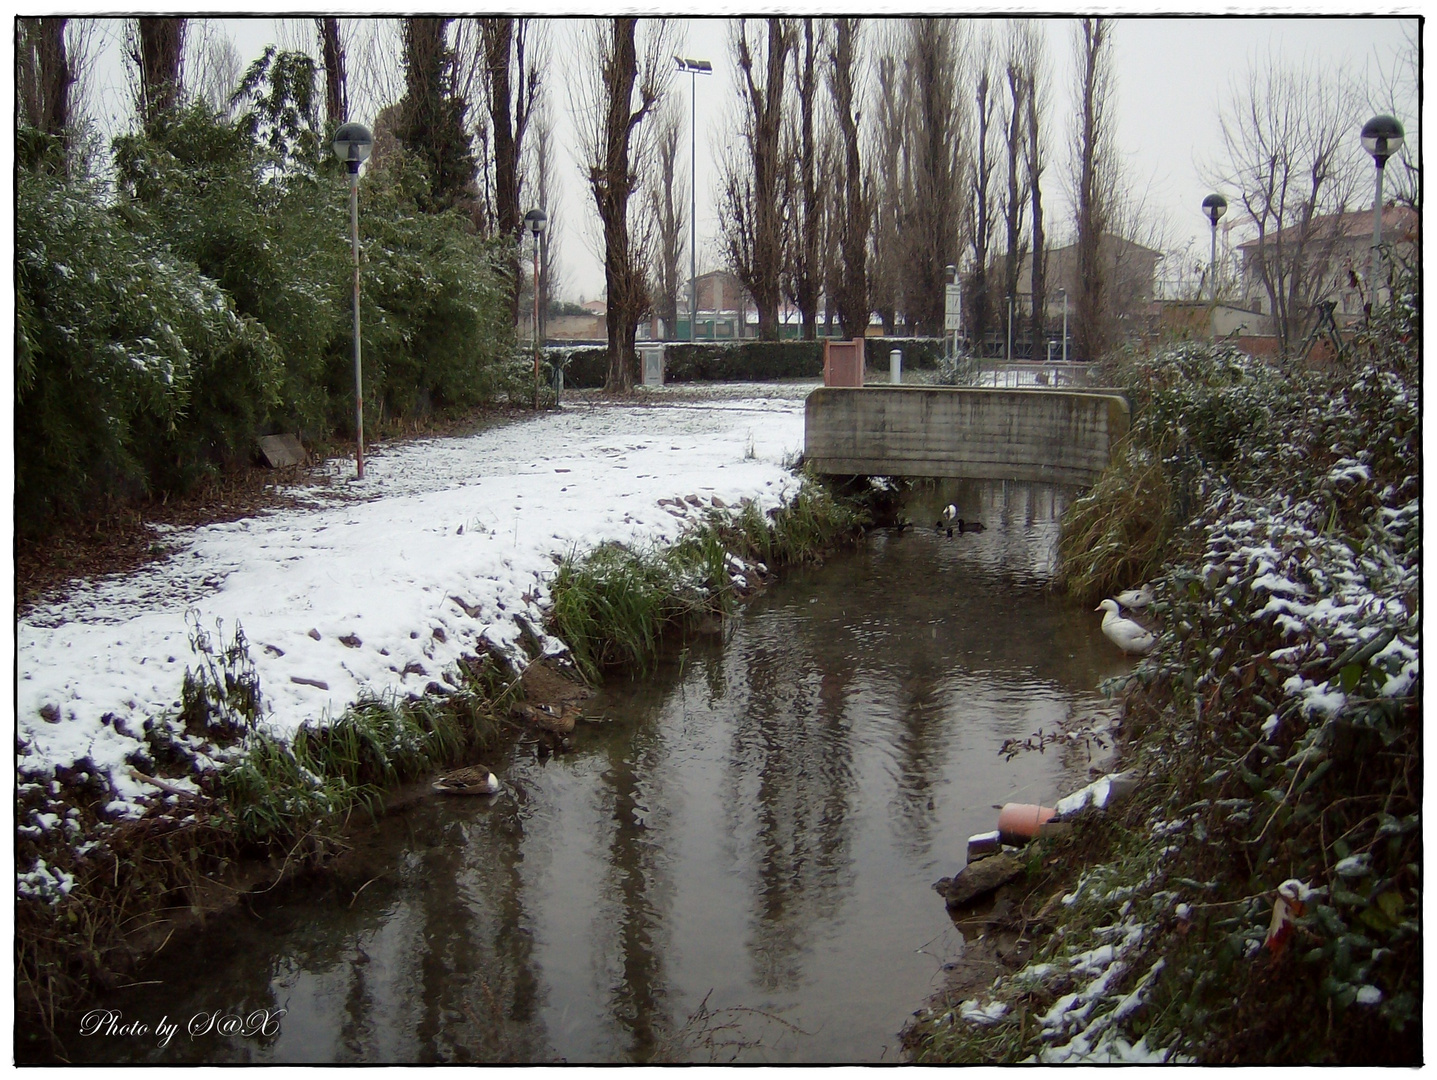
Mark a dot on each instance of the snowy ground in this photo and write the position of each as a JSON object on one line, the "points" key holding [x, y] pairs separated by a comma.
{"points": [[444, 541]]}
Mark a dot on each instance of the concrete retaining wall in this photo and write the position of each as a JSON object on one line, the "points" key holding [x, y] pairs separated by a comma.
{"points": [[1056, 436]]}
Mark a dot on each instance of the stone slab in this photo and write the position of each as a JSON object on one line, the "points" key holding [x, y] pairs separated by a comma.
{"points": [[281, 451]]}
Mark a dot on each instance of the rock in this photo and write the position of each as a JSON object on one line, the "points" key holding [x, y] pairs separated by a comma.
{"points": [[439, 634], [981, 845], [351, 641], [981, 878], [50, 713], [314, 633]]}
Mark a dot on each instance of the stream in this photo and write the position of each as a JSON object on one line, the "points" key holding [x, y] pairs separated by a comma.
{"points": [[733, 862]]}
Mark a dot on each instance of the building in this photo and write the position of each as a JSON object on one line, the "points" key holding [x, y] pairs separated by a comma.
{"points": [[723, 306], [1336, 256], [1132, 270]]}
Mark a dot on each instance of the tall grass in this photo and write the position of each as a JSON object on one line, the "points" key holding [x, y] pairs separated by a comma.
{"points": [[271, 797], [613, 605]]}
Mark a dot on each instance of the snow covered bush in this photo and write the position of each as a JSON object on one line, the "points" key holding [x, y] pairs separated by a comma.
{"points": [[113, 332], [1272, 856]]}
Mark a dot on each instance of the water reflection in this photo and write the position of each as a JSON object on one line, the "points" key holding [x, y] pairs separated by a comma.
{"points": [[755, 830]]}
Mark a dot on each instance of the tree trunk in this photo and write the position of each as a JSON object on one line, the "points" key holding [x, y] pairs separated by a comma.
{"points": [[43, 75], [498, 35], [982, 210], [432, 122], [336, 88], [1090, 324], [1040, 252], [161, 51], [806, 268], [852, 298], [752, 201]]}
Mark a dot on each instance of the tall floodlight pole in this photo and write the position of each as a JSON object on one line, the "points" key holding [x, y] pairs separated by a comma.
{"points": [[536, 221], [1214, 206], [352, 144], [695, 68], [1381, 137]]}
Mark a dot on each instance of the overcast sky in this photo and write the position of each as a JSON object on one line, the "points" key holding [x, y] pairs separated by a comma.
{"points": [[1173, 73]]}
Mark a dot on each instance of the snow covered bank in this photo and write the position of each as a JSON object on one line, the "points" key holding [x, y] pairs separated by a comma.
{"points": [[382, 585]]}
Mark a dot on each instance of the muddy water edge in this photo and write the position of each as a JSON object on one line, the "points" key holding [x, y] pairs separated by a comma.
{"points": [[732, 862]]}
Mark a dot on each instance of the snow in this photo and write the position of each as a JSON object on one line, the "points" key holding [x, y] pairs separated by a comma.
{"points": [[444, 543], [982, 1015], [1354, 865]]}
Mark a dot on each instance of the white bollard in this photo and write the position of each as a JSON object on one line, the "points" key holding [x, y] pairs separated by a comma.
{"points": [[895, 367]]}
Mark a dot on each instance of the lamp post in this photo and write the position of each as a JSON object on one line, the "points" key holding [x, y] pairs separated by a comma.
{"points": [[952, 303], [1214, 206], [1065, 324], [1381, 137], [695, 68], [536, 221], [352, 143]]}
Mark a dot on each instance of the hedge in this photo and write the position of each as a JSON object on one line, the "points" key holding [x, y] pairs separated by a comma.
{"points": [[585, 367]]}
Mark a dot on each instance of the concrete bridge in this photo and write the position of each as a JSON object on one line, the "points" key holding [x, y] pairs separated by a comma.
{"points": [[1053, 436]]}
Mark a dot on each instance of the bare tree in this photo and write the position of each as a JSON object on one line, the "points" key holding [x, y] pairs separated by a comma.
{"points": [[1396, 89], [804, 199], [980, 180], [607, 118], [511, 83], [1031, 59], [545, 175], [934, 167], [1286, 143], [848, 290], [1016, 195], [214, 64], [157, 49], [885, 183], [374, 81], [668, 204], [752, 228], [1095, 182]]}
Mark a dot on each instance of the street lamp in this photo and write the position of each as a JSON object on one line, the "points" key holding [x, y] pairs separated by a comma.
{"points": [[1214, 206], [352, 143], [695, 68], [1381, 137], [536, 221]]}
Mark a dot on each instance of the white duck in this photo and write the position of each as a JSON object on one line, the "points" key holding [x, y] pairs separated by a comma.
{"points": [[1136, 599], [1130, 636]]}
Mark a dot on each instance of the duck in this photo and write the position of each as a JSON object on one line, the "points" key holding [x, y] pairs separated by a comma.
{"points": [[475, 780], [969, 526], [1130, 636], [1135, 599], [547, 717]]}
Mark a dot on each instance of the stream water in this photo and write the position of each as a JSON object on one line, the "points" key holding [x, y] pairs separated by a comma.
{"points": [[734, 861]]}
